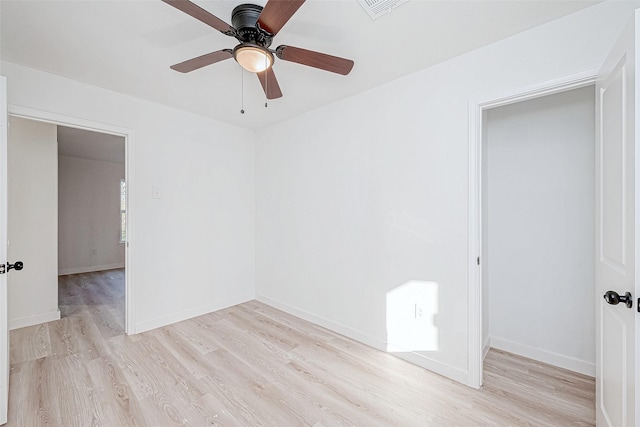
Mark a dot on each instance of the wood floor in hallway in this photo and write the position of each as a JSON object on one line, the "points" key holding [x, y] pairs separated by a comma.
{"points": [[252, 365]]}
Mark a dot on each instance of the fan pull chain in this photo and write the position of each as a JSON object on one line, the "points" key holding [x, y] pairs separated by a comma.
{"points": [[242, 90], [266, 83]]}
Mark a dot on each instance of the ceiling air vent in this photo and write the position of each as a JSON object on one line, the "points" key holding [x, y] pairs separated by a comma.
{"points": [[377, 8]]}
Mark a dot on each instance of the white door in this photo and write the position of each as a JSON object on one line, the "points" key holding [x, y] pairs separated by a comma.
{"points": [[4, 326], [616, 235]]}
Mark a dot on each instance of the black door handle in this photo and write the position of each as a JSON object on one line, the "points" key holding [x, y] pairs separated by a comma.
{"points": [[612, 297], [19, 265]]}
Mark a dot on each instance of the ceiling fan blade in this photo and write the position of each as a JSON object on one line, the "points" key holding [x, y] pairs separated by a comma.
{"points": [[202, 15], [202, 61], [315, 59], [269, 84], [276, 13]]}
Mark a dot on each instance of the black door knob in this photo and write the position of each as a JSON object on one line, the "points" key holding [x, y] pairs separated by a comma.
{"points": [[19, 265], [612, 297]]}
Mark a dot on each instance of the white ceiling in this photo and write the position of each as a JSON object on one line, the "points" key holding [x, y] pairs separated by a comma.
{"points": [[128, 45], [90, 145]]}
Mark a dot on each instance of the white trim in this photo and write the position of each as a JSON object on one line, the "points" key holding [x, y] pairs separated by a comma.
{"points": [[545, 356], [191, 313], [636, 219], [476, 109], [129, 137], [90, 269], [23, 322], [551, 87], [474, 302], [130, 300], [438, 367], [4, 319]]}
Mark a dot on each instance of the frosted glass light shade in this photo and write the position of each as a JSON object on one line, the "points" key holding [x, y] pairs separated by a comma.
{"points": [[253, 58]]}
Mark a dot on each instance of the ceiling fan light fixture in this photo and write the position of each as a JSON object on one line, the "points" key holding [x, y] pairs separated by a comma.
{"points": [[253, 58]]}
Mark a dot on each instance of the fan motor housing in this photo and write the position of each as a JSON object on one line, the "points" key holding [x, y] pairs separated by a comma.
{"points": [[244, 19]]}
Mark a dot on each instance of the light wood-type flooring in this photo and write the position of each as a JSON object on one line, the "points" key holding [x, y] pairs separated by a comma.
{"points": [[252, 365]]}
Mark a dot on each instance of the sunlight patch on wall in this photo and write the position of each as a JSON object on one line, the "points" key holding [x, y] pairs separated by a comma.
{"points": [[412, 310]]}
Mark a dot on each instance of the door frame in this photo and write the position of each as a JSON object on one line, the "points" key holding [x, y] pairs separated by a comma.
{"points": [[476, 109], [4, 322], [129, 138]]}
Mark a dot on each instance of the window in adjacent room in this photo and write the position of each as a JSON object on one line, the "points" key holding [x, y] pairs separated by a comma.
{"points": [[123, 211]]}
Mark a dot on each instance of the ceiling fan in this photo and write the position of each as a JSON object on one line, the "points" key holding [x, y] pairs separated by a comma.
{"points": [[254, 27]]}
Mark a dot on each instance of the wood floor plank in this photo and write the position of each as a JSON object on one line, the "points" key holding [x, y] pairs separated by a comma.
{"points": [[140, 375], [187, 355], [105, 322], [30, 343], [256, 353], [238, 398], [256, 392], [165, 408], [214, 412], [71, 389], [174, 375], [267, 329], [253, 365], [76, 334], [197, 335], [113, 390], [250, 348], [309, 329], [29, 398]]}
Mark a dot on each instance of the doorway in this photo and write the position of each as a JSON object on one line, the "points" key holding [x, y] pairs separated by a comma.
{"points": [[538, 187], [118, 271], [92, 226]]}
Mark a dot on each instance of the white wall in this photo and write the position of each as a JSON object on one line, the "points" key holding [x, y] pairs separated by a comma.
{"points": [[193, 249], [32, 153], [89, 215], [540, 235], [362, 196]]}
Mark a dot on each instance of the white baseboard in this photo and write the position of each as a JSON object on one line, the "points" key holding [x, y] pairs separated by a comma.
{"points": [[545, 356], [89, 269], [421, 360], [23, 322], [486, 347], [188, 314]]}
